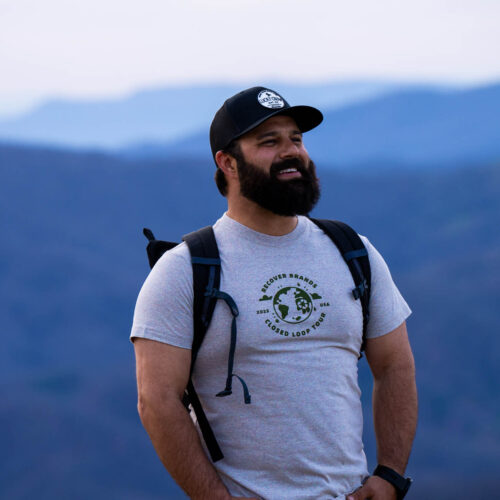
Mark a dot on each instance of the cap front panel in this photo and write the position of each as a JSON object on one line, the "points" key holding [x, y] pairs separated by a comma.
{"points": [[270, 99]]}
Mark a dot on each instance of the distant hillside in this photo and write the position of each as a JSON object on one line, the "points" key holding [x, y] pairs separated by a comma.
{"points": [[159, 115], [73, 259], [418, 128]]}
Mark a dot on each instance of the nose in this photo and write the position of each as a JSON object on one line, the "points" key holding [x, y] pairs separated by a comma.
{"points": [[290, 149]]}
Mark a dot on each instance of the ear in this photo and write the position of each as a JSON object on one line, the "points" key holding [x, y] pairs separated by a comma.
{"points": [[227, 164]]}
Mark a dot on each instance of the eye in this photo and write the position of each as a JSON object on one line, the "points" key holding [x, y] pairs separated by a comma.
{"points": [[297, 140], [269, 142]]}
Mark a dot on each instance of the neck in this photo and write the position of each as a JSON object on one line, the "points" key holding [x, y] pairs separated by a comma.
{"points": [[259, 219]]}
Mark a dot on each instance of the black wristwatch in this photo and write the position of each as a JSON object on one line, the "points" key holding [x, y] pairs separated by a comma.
{"points": [[402, 484]]}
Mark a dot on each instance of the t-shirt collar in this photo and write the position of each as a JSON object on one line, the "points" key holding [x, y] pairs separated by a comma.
{"points": [[226, 223]]}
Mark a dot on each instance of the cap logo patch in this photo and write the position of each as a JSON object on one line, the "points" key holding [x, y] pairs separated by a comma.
{"points": [[270, 99]]}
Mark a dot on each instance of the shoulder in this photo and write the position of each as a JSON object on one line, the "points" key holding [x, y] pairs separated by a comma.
{"points": [[370, 248], [172, 271], [341, 232], [388, 308], [377, 262], [178, 255], [163, 310]]}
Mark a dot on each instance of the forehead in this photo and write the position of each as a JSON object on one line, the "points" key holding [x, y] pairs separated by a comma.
{"points": [[278, 124]]}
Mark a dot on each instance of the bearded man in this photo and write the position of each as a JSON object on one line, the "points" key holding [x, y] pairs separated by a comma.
{"points": [[299, 334]]}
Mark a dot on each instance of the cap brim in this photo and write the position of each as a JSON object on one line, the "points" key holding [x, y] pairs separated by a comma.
{"points": [[306, 118]]}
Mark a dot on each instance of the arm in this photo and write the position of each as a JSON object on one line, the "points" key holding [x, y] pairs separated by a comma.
{"points": [[394, 397], [162, 375], [394, 408]]}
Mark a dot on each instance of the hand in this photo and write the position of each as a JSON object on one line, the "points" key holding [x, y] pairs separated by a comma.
{"points": [[374, 488]]}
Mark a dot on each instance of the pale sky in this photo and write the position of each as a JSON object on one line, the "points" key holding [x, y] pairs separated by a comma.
{"points": [[105, 48]]}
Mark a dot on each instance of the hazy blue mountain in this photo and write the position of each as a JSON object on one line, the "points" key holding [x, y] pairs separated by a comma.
{"points": [[72, 261], [416, 128], [159, 115]]}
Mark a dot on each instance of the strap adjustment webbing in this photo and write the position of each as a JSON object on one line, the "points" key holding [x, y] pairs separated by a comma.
{"points": [[228, 390], [355, 254]]}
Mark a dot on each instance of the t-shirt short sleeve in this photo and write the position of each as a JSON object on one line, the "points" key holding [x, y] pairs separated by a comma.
{"points": [[388, 309], [163, 311]]}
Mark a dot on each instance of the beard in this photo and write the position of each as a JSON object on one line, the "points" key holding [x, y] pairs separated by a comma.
{"points": [[282, 197]]}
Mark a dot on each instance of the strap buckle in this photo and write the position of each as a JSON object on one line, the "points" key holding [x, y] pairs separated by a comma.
{"points": [[360, 290]]}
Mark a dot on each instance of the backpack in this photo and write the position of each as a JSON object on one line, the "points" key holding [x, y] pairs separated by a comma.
{"points": [[206, 282]]}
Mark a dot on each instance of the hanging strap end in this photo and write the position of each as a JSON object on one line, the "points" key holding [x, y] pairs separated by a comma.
{"points": [[225, 392]]}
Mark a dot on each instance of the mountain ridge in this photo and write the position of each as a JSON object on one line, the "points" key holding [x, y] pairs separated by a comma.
{"points": [[156, 114], [416, 129]]}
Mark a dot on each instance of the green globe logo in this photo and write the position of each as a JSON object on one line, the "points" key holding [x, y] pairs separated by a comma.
{"points": [[292, 304]]}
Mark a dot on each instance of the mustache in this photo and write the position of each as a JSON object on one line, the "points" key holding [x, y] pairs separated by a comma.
{"points": [[296, 163]]}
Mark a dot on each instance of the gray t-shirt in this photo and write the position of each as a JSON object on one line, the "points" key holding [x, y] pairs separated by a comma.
{"points": [[299, 334]]}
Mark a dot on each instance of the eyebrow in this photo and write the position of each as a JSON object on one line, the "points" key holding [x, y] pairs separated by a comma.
{"points": [[273, 133]]}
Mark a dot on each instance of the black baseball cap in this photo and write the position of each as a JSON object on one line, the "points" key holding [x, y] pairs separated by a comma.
{"points": [[249, 108]]}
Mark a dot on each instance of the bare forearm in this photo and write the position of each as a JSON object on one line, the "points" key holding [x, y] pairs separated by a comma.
{"points": [[178, 446], [395, 410]]}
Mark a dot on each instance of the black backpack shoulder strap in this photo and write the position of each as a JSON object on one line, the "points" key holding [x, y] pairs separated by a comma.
{"points": [[355, 255], [205, 261], [206, 274]]}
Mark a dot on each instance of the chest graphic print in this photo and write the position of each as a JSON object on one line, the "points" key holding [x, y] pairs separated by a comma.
{"points": [[292, 305]]}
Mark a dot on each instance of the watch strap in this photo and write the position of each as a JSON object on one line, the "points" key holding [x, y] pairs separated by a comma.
{"points": [[402, 484]]}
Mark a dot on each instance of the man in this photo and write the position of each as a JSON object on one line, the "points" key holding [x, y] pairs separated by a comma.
{"points": [[299, 334]]}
